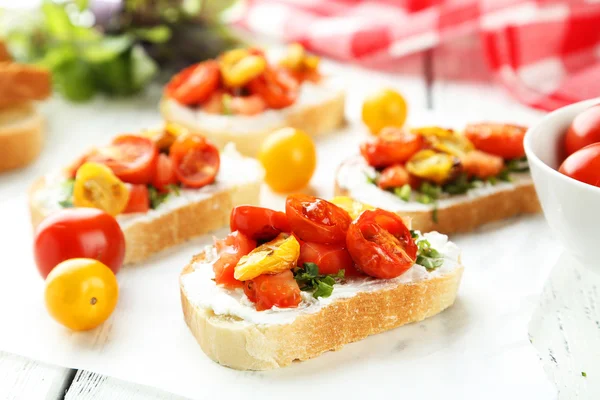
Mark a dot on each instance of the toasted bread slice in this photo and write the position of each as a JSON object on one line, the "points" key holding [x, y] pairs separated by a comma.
{"points": [[459, 213], [22, 83], [21, 136], [279, 337], [194, 212], [316, 113]]}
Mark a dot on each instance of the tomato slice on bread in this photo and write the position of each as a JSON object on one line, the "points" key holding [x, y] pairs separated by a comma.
{"points": [[381, 245], [258, 223], [230, 250], [267, 291], [330, 258], [392, 146], [276, 87], [195, 160], [195, 84], [164, 174], [139, 199], [502, 140]]}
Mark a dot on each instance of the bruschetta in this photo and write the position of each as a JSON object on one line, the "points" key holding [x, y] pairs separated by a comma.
{"points": [[291, 286], [163, 187], [242, 97], [444, 180]]}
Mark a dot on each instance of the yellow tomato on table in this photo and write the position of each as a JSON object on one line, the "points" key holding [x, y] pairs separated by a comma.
{"points": [[81, 293], [289, 158], [384, 108]]}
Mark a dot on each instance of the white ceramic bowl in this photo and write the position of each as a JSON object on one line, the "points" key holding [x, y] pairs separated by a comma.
{"points": [[572, 208]]}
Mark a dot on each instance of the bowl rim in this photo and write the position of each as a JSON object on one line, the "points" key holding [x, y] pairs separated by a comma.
{"points": [[560, 112]]}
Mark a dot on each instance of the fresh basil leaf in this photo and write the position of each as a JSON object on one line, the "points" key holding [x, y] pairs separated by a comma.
{"points": [[328, 279], [311, 269], [403, 192], [174, 189], [427, 256], [430, 190], [413, 234], [459, 186], [323, 289], [493, 180], [156, 197]]}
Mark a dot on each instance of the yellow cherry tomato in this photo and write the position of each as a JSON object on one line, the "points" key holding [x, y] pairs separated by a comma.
{"points": [[446, 140], [97, 186], [297, 59], [353, 207], [81, 293], [289, 158], [278, 255], [239, 67], [384, 108], [165, 137], [433, 166]]}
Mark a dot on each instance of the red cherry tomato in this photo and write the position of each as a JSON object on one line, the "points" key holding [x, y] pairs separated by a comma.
{"points": [[316, 220], [261, 224], [230, 250], [194, 84], [164, 175], [502, 140], [139, 199], [584, 165], [132, 158], [391, 146], [78, 233], [482, 165], [584, 130], [393, 176], [196, 161], [279, 290], [276, 87], [330, 258], [381, 245]]}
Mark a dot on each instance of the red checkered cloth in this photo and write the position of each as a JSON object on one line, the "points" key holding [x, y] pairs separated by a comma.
{"points": [[546, 52]]}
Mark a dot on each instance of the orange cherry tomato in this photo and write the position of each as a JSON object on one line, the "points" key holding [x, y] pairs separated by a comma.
{"points": [[482, 165], [258, 223], [381, 245], [502, 140], [131, 157], [268, 291], [584, 130], [316, 220], [230, 250], [196, 161], [393, 176], [584, 165], [194, 84], [78, 233], [139, 199], [330, 258], [276, 87], [164, 175], [81, 293], [391, 146]]}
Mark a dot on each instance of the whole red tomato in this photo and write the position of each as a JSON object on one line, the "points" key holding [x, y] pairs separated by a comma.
{"points": [[78, 233], [584, 165], [381, 245], [584, 130], [258, 223]]}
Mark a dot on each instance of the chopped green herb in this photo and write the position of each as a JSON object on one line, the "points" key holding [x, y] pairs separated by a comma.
{"points": [[226, 100], [309, 279], [492, 180], [413, 234], [504, 175], [66, 193], [403, 192], [156, 197], [174, 188], [427, 256], [517, 165], [424, 199], [434, 214], [458, 186], [371, 179], [431, 190], [584, 374]]}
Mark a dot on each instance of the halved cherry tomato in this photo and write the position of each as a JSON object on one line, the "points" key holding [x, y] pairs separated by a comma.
{"points": [[436, 167], [131, 157], [164, 174], [393, 176], [381, 245], [392, 146], [239, 66], [194, 84], [584, 165], [196, 161], [502, 140], [230, 250], [268, 291], [78, 232], [97, 186], [584, 130], [139, 199], [276, 87], [330, 258], [258, 223], [445, 140], [482, 165], [316, 220]]}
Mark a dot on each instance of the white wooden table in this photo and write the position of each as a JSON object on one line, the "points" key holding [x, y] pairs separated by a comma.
{"points": [[429, 81]]}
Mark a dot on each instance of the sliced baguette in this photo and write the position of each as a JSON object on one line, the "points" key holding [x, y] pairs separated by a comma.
{"points": [[463, 216], [244, 345], [21, 135], [146, 236], [316, 119]]}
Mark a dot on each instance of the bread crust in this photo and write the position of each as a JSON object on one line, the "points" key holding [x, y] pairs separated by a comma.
{"points": [[245, 346], [21, 136], [472, 213], [145, 238], [315, 119]]}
